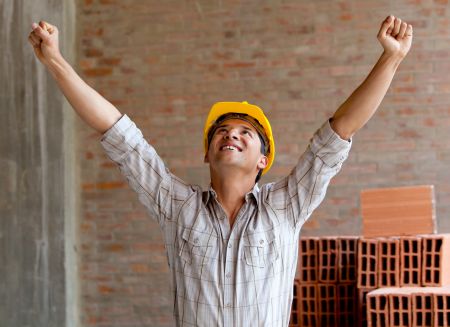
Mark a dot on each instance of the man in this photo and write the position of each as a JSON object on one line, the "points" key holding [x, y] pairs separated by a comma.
{"points": [[232, 250]]}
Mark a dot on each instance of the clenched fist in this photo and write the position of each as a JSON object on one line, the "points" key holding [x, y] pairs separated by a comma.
{"points": [[395, 36], [44, 39]]}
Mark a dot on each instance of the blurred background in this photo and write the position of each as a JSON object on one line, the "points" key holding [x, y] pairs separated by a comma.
{"points": [[76, 247]]}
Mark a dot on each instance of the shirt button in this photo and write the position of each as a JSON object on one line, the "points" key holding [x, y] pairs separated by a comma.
{"points": [[261, 242], [229, 246], [196, 241], [228, 275]]}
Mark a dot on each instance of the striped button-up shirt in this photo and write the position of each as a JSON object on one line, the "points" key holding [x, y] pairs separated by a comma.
{"points": [[222, 276]]}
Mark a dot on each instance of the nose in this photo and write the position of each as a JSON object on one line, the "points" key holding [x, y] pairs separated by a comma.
{"points": [[232, 134]]}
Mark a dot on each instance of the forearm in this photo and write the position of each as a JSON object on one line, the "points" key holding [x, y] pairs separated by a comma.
{"points": [[365, 100], [94, 109]]}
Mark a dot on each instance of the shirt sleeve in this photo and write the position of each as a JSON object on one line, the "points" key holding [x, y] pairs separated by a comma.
{"points": [[298, 194], [144, 170]]}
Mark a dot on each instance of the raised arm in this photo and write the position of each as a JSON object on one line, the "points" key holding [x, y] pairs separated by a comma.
{"points": [[95, 110], [395, 36]]}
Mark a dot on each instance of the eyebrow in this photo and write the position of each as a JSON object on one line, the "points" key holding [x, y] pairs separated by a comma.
{"points": [[243, 126]]}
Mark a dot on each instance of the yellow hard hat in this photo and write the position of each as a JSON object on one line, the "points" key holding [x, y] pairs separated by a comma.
{"points": [[221, 108]]}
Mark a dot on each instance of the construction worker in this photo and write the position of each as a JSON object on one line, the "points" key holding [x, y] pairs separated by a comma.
{"points": [[232, 249]]}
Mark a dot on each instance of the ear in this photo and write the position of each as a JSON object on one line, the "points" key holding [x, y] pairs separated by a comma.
{"points": [[262, 163]]}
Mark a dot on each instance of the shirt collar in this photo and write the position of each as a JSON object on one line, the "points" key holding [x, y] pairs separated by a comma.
{"points": [[212, 194]]}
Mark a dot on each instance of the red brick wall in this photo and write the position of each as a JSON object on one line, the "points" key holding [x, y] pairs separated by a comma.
{"points": [[164, 63]]}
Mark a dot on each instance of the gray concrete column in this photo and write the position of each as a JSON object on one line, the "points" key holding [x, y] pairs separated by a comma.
{"points": [[38, 261]]}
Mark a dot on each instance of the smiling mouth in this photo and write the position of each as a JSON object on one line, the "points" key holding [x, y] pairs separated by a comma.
{"points": [[230, 148]]}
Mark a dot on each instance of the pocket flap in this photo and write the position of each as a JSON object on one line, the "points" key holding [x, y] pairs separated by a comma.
{"points": [[260, 239], [196, 238]]}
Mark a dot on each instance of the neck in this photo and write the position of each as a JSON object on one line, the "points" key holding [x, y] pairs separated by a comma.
{"points": [[231, 192]]}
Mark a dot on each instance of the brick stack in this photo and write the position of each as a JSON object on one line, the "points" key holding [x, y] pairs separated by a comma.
{"points": [[403, 279], [326, 285], [409, 306]]}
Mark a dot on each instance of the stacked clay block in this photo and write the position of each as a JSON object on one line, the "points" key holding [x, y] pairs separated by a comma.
{"points": [[308, 305], [377, 305], [346, 305], [367, 263], [398, 211], [388, 262], [327, 309], [422, 313], [328, 260], [410, 261], [326, 274], [441, 304], [409, 306], [307, 268], [436, 260], [294, 319], [362, 306], [338, 273], [347, 259]]}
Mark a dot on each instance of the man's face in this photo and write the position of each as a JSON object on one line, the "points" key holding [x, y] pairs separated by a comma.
{"points": [[235, 143]]}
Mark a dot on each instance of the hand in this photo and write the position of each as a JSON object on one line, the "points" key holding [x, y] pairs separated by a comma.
{"points": [[44, 39], [395, 36]]}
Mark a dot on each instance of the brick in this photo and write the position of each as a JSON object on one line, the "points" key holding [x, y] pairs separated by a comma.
{"points": [[441, 310], [327, 305], [400, 309], [347, 305], [308, 305], [436, 260], [367, 263], [410, 261], [347, 259], [362, 306], [295, 319], [377, 309], [308, 264], [398, 211], [422, 314], [328, 259], [388, 262]]}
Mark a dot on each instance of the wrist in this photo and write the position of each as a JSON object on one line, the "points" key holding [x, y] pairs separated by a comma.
{"points": [[393, 59], [57, 65]]}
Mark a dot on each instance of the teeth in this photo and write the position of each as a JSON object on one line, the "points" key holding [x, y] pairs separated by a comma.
{"points": [[229, 147]]}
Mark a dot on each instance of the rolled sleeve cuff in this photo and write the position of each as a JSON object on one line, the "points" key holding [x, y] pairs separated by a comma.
{"points": [[329, 146], [121, 138]]}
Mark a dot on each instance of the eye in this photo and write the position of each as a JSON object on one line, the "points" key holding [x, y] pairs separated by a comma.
{"points": [[247, 132]]}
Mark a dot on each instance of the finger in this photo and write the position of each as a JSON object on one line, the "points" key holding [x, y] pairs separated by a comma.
{"points": [[40, 32], [35, 38], [402, 32], [32, 42], [409, 31], [47, 26], [385, 26], [397, 25]]}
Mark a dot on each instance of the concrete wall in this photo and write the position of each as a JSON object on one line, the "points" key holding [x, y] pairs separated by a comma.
{"points": [[35, 147]]}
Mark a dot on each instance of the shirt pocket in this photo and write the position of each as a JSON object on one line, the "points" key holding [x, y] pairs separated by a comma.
{"points": [[261, 249], [196, 247]]}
